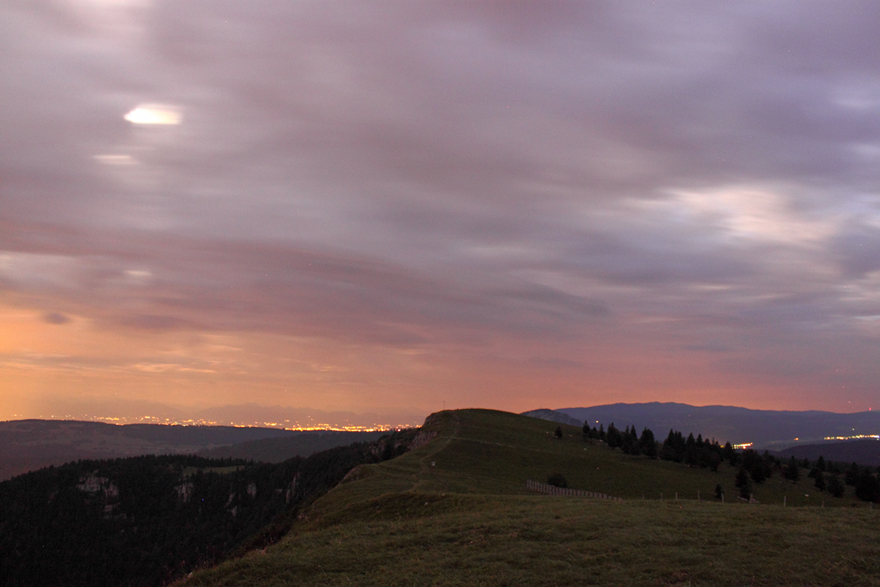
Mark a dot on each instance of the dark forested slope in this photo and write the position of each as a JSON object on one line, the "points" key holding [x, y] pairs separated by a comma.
{"points": [[276, 450], [142, 521]]}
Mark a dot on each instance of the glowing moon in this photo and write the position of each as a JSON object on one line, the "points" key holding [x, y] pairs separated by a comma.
{"points": [[160, 114]]}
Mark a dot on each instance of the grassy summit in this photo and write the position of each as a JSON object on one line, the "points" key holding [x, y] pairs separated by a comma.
{"points": [[455, 511]]}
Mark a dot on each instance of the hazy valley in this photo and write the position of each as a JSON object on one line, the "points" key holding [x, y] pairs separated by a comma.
{"points": [[28, 445]]}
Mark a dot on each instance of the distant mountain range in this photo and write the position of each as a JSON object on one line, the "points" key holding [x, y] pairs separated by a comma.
{"points": [[766, 429], [864, 451], [554, 416]]}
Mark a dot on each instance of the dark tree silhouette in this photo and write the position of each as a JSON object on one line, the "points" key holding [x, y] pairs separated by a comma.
{"points": [[743, 483], [613, 436], [835, 487], [819, 481], [648, 444], [792, 470]]}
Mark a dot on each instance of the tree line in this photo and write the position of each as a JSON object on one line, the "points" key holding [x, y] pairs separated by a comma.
{"points": [[753, 468]]}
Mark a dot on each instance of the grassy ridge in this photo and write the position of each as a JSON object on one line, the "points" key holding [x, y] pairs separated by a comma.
{"points": [[455, 512], [483, 451]]}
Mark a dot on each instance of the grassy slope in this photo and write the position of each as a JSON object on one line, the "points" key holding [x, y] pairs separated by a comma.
{"points": [[467, 520]]}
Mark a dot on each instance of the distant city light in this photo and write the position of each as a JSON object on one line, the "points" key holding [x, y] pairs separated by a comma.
{"points": [[854, 437], [295, 426]]}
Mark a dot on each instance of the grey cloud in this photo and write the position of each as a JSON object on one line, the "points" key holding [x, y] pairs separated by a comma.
{"points": [[388, 173], [858, 249], [281, 288], [55, 318]]}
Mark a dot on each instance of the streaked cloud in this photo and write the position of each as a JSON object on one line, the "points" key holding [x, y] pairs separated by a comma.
{"points": [[56, 318], [487, 202]]}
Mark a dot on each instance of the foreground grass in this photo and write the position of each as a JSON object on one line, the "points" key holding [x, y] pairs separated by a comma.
{"points": [[414, 539], [455, 512]]}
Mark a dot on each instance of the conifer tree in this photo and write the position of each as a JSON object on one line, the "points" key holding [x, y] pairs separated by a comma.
{"points": [[867, 486], [835, 487], [743, 483], [729, 454], [690, 451], [792, 470], [820, 481], [613, 436], [648, 444], [852, 474]]}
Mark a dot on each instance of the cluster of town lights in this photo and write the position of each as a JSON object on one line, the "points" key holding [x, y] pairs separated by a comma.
{"points": [[854, 437], [286, 425]]}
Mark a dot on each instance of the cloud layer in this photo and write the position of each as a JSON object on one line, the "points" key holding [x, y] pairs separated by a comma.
{"points": [[503, 204]]}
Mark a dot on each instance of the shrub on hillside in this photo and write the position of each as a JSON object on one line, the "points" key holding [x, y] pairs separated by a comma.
{"points": [[557, 480]]}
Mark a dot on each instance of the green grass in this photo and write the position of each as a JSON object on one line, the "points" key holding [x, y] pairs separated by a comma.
{"points": [[455, 512], [519, 540]]}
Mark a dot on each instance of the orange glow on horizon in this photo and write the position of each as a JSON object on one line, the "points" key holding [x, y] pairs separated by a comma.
{"points": [[42, 362]]}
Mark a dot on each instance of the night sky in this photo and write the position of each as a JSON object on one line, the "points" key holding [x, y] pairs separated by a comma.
{"points": [[400, 206]]}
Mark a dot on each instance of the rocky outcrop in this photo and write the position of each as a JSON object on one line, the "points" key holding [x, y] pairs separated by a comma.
{"points": [[422, 438], [93, 484]]}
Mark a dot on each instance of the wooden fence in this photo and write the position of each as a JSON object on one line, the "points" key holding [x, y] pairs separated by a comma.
{"points": [[553, 490]]}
